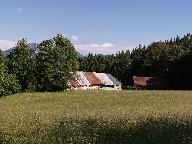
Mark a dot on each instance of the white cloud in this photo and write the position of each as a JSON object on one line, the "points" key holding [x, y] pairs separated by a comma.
{"points": [[105, 48], [73, 37], [107, 45], [19, 9], [94, 45], [6, 44]]}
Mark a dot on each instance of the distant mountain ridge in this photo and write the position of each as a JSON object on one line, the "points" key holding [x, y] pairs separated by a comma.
{"points": [[33, 46]]}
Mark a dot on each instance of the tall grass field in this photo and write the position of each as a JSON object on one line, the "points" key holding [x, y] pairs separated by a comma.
{"points": [[103, 117]]}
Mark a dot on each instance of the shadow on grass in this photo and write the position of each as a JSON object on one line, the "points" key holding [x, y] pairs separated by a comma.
{"points": [[148, 131], [143, 131]]}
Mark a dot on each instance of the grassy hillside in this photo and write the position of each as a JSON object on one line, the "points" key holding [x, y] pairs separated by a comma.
{"points": [[135, 117]]}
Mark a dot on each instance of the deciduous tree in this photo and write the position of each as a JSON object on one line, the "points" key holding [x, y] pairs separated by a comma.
{"points": [[20, 63]]}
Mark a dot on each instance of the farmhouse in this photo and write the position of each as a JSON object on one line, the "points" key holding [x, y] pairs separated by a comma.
{"points": [[146, 82], [106, 82], [93, 80], [117, 84], [81, 82]]}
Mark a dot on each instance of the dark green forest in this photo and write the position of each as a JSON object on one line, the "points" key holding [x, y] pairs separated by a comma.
{"points": [[170, 60], [56, 60]]}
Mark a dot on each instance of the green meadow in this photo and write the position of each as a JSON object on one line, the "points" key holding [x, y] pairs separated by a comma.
{"points": [[130, 117]]}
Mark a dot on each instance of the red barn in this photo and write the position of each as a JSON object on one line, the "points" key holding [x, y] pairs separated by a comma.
{"points": [[151, 82]]}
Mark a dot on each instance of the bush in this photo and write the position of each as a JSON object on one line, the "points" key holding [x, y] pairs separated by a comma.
{"points": [[8, 84]]}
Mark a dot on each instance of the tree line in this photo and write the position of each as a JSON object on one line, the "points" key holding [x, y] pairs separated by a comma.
{"points": [[170, 60], [56, 61]]}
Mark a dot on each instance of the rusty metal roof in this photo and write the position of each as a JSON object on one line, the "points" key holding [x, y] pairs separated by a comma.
{"points": [[74, 84], [82, 79], [104, 78], [93, 80], [146, 81]]}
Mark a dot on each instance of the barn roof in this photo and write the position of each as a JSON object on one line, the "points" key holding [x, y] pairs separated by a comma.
{"points": [[82, 80], [75, 84], [104, 78], [93, 80], [146, 81], [114, 80]]}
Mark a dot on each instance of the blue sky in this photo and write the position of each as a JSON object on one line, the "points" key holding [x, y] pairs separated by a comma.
{"points": [[98, 26]]}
